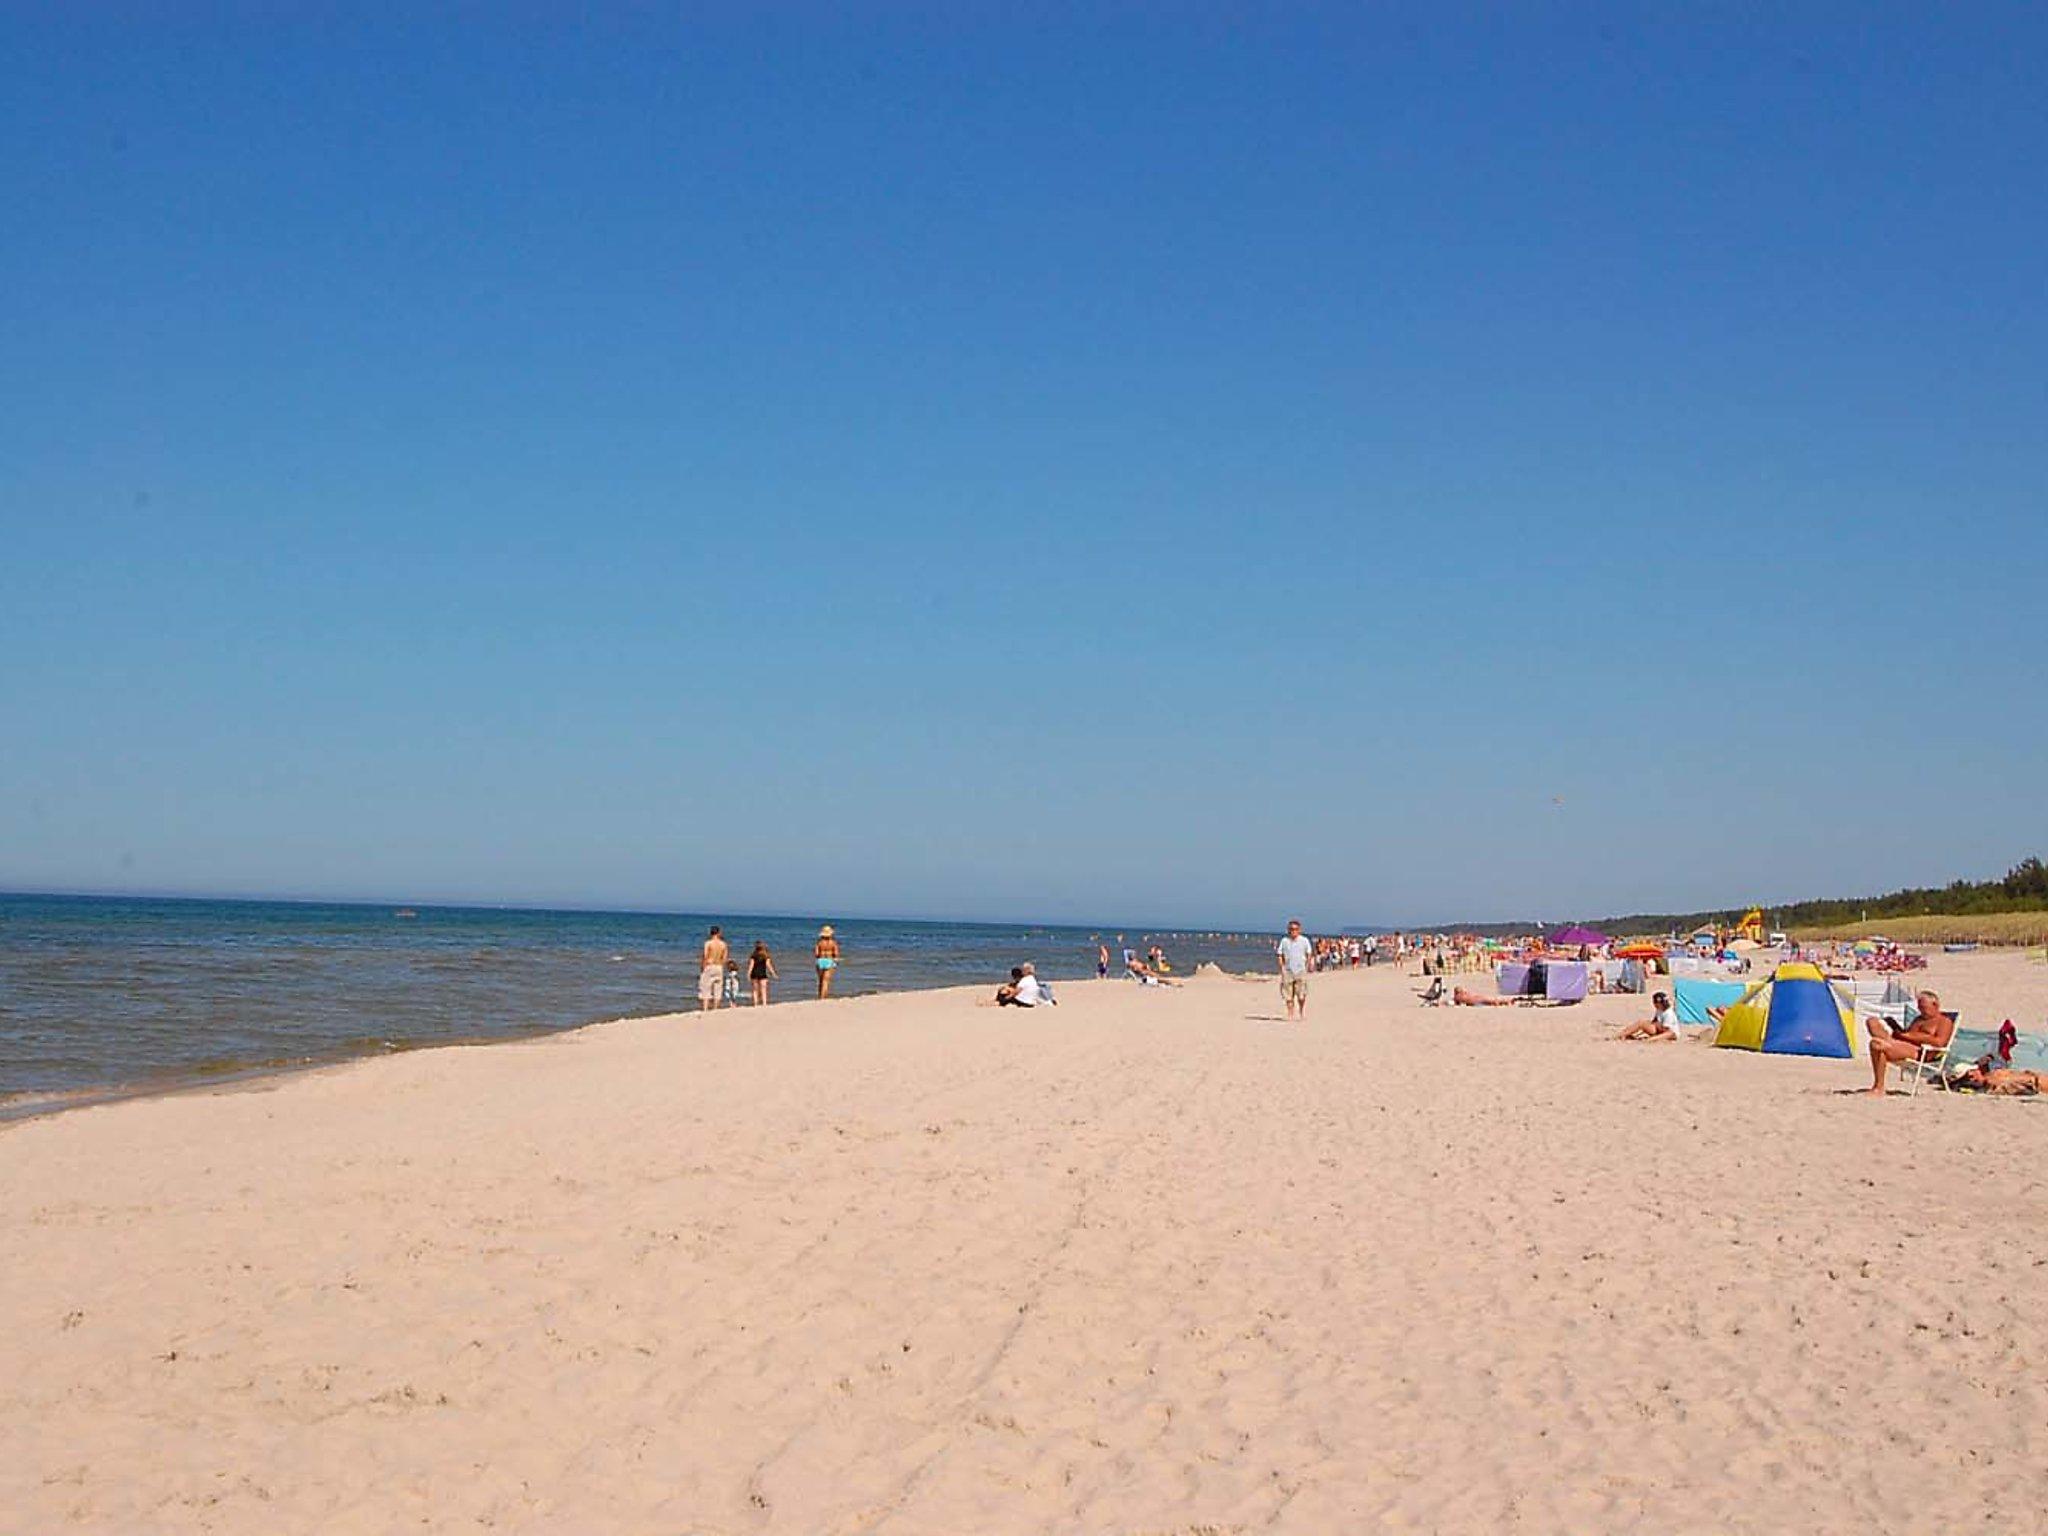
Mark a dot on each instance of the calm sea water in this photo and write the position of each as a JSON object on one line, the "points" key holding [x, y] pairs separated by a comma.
{"points": [[99, 993]]}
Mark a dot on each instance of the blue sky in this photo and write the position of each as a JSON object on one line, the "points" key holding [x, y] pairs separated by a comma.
{"points": [[1108, 462]]}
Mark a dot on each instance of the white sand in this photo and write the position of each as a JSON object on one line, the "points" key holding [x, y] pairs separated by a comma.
{"points": [[1151, 1262]]}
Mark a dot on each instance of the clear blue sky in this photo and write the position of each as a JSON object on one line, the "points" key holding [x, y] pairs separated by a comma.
{"points": [[1106, 462]]}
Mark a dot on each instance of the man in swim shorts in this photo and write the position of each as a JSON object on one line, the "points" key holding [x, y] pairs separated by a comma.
{"points": [[1927, 1031], [1293, 954], [711, 974]]}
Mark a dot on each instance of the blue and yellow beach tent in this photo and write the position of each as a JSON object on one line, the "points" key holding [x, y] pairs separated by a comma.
{"points": [[1792, 1012]]}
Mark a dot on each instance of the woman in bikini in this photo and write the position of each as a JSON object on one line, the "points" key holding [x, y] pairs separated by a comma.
{"points": [[827, 952]]}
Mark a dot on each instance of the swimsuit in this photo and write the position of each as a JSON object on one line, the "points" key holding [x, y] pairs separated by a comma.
{"points": [[827, 962]]}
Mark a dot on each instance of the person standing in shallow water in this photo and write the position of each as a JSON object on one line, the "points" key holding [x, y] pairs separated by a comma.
{"points": [[711, 976], [760, 971], [826, 951]]}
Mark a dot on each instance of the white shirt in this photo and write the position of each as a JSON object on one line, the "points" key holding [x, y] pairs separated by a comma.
{"points": [[1668, 1017], [1294, 954], [1029, 993]]}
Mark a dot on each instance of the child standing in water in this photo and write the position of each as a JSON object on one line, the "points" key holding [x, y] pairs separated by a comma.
{"points": [[760, 971]]}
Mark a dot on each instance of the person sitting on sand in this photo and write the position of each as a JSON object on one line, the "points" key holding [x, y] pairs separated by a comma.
{"points": [[1661, 1025], [1031, 992], [1465, 997], [1142, 973], [1928, 1029]]}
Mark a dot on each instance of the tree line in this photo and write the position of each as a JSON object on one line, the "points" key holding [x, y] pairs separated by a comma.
{"points": [[2024, 889]]}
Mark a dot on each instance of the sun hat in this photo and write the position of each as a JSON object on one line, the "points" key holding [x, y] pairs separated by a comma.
{"points": [[825, 932]]}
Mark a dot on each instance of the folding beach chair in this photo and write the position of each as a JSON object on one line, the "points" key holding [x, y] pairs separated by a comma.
{"points": [[1929, 1061]]}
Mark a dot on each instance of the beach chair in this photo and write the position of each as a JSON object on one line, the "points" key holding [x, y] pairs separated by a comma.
{"points": [[1930, 1061]]}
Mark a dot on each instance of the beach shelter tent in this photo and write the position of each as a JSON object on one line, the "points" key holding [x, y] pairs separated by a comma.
{"points": [[1792, 1012], [1575, 935], [1692, 996]]}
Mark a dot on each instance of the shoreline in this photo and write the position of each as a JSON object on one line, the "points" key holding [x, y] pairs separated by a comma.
{"points": [[114, 999], [36, 1105]]}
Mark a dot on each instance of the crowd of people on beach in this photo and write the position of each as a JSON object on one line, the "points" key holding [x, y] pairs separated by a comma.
{"points": [[1925, 1036]]}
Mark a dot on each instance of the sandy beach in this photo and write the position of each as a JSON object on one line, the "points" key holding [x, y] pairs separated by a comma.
{"points": [[1149, 1262]]}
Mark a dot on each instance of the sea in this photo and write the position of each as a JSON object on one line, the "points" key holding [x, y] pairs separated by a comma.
{"points": [[102, 996]]}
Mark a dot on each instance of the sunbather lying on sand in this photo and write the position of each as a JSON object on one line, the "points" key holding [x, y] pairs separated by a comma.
{"points": [[1986, 1078], [1465, 998], [1661, 1025]]}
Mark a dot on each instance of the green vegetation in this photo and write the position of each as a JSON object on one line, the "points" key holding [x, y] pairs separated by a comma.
{"points": [[1978, 928], [2023, 890]]}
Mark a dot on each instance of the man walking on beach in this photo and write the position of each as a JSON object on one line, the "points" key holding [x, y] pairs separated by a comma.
{"points": [[711, 978], [1293, 952]]}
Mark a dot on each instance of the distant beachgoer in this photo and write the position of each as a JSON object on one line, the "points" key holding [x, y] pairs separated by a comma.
{"points": [[1024, 989], [711, 972], [1464, 997], [826, 952], [1293, 953], [760, 971], [1140, 972], [732, 981], [1661, 1025], [1929, 1027], [1101, 961]]}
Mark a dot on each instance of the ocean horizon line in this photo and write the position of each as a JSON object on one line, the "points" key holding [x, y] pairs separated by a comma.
{"points": [[718, 914]]}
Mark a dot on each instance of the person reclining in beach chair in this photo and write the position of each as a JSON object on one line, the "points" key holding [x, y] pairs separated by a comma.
{"points": [[1140, 972], [1661, 1025], [1922, 1038]]}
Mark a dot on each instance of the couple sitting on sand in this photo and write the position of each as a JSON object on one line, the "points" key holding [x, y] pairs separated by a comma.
{"points": [[1024, 989]]}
